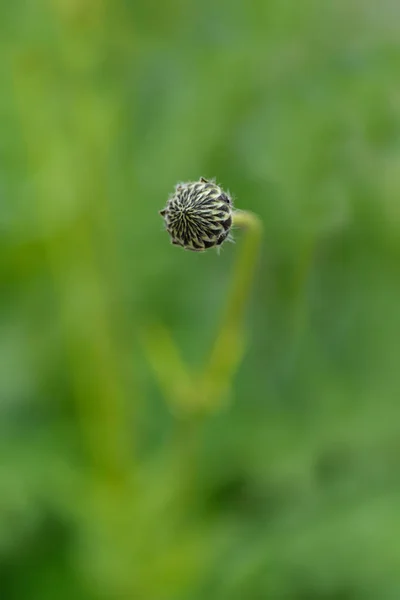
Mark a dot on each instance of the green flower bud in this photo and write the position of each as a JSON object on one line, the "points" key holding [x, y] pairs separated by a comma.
{"points": [[198, 215]]}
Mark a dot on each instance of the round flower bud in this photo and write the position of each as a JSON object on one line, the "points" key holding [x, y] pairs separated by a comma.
{"points": [[198, 215]]}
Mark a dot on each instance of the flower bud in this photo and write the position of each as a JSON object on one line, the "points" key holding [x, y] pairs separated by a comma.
{"points": [[198, 215]]}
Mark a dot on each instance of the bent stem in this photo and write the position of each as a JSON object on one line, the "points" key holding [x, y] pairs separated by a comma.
{"points": [[190, 393], [229, 346], [196, 395]]}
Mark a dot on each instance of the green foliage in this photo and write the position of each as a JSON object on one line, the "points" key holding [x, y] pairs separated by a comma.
{"points": [[292, 491]]}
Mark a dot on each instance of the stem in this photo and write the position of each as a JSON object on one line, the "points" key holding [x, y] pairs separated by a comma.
{"points": [[225, 356], [185, 392], [229, 345]]}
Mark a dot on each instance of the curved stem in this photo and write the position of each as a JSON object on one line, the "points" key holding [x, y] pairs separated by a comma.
{"points": [[188, 393], [229, 345]]}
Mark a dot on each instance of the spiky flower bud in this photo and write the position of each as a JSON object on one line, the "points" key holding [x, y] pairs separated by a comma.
{"points": [[198, 215]]}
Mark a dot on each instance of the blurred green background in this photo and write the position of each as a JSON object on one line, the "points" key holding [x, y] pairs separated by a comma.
{"points": [[293, 491]]}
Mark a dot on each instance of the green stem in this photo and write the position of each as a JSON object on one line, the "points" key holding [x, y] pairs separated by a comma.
{"points": [[209, 394], [229, 345], [206, 391]]}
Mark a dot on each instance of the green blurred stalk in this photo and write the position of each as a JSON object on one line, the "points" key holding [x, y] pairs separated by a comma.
{"points": [[67, 145], [193, 396], [230, 343], [82, 286], [191, 393]]}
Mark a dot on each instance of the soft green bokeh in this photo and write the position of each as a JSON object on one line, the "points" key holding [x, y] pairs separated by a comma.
{"points": [[292, 491]]}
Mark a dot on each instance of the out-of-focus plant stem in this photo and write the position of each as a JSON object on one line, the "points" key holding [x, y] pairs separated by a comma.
{"points": [[205, 391], [67, 145], [230, 342], [195, 395]]}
